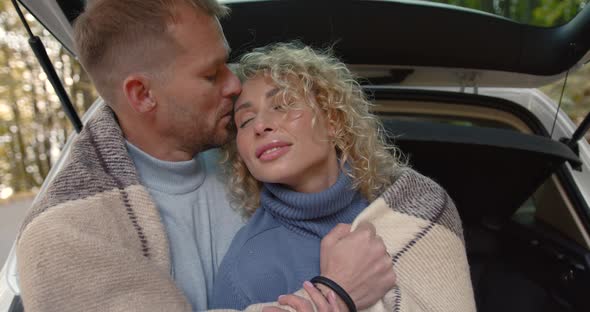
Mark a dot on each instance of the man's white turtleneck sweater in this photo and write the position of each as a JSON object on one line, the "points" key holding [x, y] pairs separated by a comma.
{"points": [[196, 213]]}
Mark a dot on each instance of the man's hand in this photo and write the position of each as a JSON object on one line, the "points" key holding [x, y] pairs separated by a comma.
{"points": [[358, 262]]}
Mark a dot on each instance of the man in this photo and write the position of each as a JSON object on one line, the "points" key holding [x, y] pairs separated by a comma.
{"points": [[136, 219]]}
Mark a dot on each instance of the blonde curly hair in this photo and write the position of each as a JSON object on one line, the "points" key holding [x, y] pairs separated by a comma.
{"points": [[302, 73]]}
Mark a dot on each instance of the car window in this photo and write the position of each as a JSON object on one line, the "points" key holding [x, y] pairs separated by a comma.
{"points": [[33, 126], [545, 13], [576, 94]]}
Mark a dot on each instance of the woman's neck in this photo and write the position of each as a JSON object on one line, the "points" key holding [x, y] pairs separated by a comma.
{"points": [[317, 178], [313, 213]]}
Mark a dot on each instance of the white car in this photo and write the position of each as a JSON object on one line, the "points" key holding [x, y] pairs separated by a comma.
{"points": [[456, 89]]}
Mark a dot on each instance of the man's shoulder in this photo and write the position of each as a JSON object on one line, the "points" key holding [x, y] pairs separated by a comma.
{"points": [[96, 163]]}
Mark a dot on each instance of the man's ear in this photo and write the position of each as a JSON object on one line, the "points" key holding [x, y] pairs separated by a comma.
{"points": [[138, 93]]}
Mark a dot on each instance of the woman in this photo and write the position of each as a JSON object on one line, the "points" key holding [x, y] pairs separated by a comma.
{"points": [[309, 155]]}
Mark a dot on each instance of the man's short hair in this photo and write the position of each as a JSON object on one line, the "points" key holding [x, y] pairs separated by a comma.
{"points": [[116, 37]]}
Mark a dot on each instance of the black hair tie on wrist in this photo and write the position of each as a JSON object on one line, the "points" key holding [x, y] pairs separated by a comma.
{"points": [[337, 289]]}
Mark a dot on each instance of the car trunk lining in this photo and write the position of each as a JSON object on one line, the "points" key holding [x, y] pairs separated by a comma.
{"points": [[490, 173], [457, 111], [476, 164], [551, 202]]}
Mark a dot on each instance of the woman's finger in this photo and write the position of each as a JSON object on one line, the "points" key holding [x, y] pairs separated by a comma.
{"points": [[273, 309], [317, 297], [333, 302], [298, 303]]}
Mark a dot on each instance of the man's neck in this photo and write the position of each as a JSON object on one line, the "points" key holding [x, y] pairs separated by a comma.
{"points": [[153, 144], [161, 150]]}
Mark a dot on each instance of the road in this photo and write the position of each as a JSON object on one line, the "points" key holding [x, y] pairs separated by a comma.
{"points": [[11, 216]]}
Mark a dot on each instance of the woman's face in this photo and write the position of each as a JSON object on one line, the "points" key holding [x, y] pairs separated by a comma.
{"points": [[282, 146]]}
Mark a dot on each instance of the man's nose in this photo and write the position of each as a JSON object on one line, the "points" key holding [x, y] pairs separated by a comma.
{"points": [[233, 86]]}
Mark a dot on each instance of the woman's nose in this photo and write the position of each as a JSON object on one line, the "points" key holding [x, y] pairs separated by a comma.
{"points": [[263, 126]]}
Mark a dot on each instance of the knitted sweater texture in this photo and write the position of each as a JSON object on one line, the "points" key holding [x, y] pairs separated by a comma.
{"points": [[94, 239], [279, 248]]}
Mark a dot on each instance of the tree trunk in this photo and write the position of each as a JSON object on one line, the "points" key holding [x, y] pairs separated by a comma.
{"points": [[38, 129], [18, 135], [24, 181], [17, 178]]}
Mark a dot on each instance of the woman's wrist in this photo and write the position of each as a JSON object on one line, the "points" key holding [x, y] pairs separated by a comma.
{"points": [[341, 295], [325, 290]]}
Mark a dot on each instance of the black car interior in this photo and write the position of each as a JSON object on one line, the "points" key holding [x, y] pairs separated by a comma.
{"points": [[518, 262]]}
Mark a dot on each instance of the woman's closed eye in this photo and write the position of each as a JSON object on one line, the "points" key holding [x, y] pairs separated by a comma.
{"points": [[246, 122]]}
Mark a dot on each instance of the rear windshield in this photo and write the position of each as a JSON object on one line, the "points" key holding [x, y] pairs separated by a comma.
{"points": [[545, 13]]}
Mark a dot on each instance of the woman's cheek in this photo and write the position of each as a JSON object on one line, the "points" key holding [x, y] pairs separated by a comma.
{"points": [[241, 145], [294, 114]]}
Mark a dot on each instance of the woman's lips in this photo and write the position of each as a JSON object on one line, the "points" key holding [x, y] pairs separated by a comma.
{"points": [[272, 151]]}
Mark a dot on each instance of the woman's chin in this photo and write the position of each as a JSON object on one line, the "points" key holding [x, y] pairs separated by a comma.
{"points": [[272, 177]]}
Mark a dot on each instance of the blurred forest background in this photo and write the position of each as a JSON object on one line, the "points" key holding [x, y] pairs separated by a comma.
{"points": [[34, 129]]}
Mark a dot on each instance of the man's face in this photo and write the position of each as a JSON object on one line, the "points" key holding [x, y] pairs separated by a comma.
{"points": [[194, 105]]}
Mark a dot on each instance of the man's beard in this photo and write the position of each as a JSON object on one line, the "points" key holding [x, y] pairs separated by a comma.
{"points": [[218, 139]]}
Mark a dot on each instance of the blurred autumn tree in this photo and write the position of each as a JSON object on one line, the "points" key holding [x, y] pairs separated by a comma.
{"points": [[33, 127], [544, 13]]}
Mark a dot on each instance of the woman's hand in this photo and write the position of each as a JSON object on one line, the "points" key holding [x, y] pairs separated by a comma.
{"points": [[324, 302]]}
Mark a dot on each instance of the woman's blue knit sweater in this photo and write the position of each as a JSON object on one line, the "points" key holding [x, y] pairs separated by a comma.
{"points": [[279, 248]]}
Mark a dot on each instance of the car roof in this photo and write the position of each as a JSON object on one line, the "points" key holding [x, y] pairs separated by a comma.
{"points": [[393, 42]]}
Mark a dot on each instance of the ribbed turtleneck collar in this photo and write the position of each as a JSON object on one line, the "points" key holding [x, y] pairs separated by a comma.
{"points": [[313, 213], [171, 177]]}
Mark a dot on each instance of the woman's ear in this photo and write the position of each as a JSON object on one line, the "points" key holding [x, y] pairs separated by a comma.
{"points": [[138, 93]]}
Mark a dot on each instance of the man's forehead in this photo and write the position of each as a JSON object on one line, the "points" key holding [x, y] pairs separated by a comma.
{"points": [[193, 19], [225, 42], [196, 30]]}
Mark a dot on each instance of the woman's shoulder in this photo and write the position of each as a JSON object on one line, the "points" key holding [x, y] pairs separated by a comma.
{"points": [[260, 224]]}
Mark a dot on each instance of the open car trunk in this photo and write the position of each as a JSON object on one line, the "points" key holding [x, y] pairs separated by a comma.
{"points": [[493, 172], [475, 163]]}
